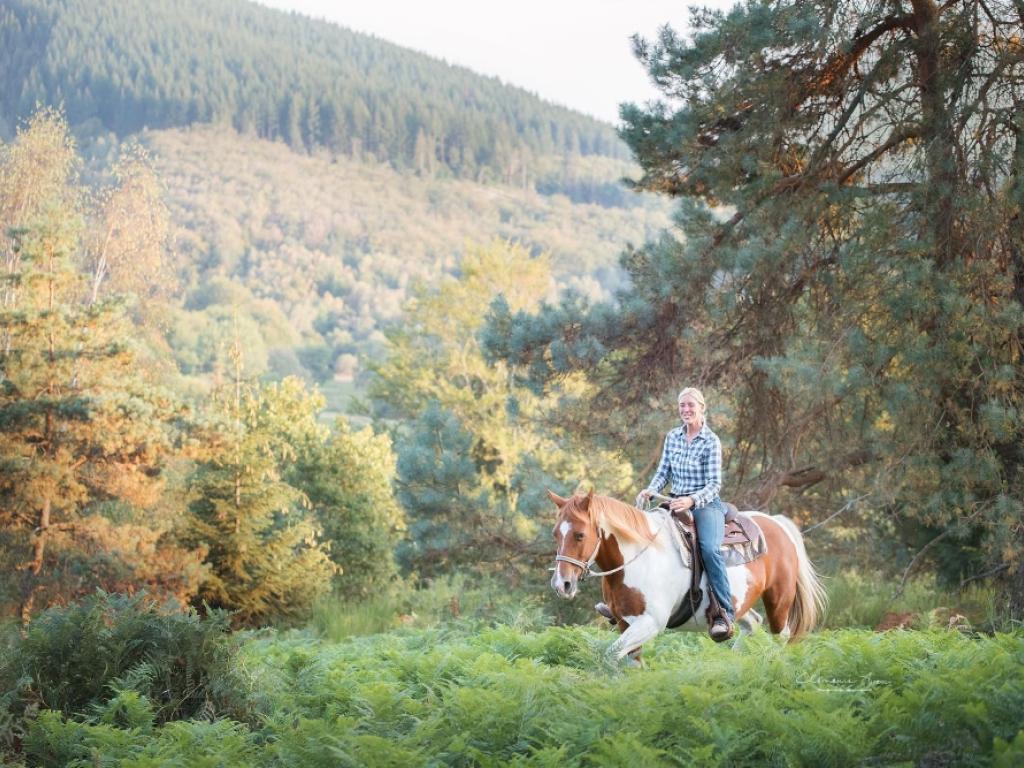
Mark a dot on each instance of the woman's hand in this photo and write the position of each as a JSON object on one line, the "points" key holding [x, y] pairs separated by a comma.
{"points": [[643, 496], [681, 504]]}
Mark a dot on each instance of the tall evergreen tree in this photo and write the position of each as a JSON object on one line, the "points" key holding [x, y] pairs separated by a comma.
{"points": [[78, 422], [347, 476], [851, 279], [267, 563]]}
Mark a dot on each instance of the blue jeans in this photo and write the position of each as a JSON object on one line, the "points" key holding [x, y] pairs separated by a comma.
{"points": [[710, 520]]}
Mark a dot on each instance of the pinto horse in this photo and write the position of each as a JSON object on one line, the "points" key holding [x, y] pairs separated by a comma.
{"points": [[645, 579]]}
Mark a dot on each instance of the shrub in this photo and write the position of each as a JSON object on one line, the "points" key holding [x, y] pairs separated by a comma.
{"points": [[80, 660]]}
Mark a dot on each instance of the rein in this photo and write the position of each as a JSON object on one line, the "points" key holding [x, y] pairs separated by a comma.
{"points": [[589, 564]]}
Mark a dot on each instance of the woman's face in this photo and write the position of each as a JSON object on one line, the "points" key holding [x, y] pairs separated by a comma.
{"points": [[690, 411]]}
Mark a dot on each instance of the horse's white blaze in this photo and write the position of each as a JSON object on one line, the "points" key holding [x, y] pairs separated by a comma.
{"points": [[563, 529]]}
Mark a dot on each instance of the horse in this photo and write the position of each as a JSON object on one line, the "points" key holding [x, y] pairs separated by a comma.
{"points": [[645, 579]]}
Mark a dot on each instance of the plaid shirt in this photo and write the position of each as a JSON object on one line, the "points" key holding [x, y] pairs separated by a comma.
{"points": [[694, 467]]}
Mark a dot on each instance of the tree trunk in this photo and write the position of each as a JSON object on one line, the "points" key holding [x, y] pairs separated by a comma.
{"points": [[938, 135], [35, 566]]}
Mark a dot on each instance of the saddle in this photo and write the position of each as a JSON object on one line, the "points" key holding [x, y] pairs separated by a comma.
{"points": [[743, 543]]}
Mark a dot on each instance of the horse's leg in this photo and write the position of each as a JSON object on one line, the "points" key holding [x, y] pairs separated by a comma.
{"points": [[749, 622], [640, 630], [778, 601], [779, 592], [633, 657]]}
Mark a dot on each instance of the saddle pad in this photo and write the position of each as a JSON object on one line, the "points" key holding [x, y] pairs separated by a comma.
{"points": [[736, 549]]}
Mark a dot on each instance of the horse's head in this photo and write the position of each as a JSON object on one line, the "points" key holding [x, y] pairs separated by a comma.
{"points": [[576, 542]]}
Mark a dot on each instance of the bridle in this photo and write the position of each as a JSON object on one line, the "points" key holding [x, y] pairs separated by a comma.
{"points": [[587, 566]]}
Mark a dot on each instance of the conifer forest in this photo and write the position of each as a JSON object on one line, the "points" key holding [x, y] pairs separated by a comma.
{"points": [[298, 328]]}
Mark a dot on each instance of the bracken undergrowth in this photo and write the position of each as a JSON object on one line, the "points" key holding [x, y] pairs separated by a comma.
{"points": [[463, 695]]}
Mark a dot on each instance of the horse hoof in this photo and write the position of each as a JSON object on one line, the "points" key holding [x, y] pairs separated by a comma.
{"points": [[604, 610]]}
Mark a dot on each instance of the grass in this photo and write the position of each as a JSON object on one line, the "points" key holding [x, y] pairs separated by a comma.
{"points": [[460, 600], [856, 600], [862, 600], [338, 396]]}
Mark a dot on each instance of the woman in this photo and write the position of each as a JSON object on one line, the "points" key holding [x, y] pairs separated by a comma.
{"points": [[692, 462]]}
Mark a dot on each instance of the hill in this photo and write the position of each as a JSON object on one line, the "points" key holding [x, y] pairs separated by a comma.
{"points": [[127, 65], [315, 253], [314, 174]]}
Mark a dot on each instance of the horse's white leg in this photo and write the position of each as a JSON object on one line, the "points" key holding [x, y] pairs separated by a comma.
{"points": [[749, 622], [641, 629]]}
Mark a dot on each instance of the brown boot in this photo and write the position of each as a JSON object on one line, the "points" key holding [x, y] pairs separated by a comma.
{"points": [[721, 628]]}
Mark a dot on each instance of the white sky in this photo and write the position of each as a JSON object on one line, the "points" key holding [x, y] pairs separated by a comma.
{"points": [[575, 53]]}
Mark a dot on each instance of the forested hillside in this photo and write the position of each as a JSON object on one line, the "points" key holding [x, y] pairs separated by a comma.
{"points": [[125, 65], [315, 254], [311, 175], [141, 442]]}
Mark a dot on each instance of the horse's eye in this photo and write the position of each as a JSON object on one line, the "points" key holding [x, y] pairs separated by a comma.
{"points": [[579, 537]]}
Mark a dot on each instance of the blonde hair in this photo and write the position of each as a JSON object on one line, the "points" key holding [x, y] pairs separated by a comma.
{"points": [[696, 396]]}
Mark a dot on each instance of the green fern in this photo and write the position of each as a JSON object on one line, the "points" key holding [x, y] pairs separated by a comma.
{"points": [[459, 696]]}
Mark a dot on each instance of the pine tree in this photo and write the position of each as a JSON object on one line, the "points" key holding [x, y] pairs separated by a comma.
{"points": [[78, 423], [348, 476], [267, 563], [850, 283], [454, 519]]}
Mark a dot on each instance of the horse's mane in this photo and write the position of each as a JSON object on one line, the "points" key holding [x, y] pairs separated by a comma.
{"points": [[625, 521]]}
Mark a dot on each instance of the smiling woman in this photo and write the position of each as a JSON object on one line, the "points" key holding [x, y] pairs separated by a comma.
{"points": [[692, 462]]}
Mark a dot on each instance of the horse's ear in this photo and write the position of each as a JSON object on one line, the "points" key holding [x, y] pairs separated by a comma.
{"points": [[585, 504], [558, 500]]}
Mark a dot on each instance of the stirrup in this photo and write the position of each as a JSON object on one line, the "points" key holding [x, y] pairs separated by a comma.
{"points": [[605, 611]]}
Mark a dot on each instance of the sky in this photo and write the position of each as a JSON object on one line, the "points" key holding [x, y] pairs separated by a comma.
{"points": [[575, 53]]}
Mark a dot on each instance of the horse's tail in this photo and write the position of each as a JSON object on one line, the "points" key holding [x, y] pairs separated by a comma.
{"points": [[811, 599]]}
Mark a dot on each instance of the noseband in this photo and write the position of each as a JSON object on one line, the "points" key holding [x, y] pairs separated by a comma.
{"points": [[586, 566]]}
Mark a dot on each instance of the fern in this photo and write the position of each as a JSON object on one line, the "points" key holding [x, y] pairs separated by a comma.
{"points": [[457, 696]]}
